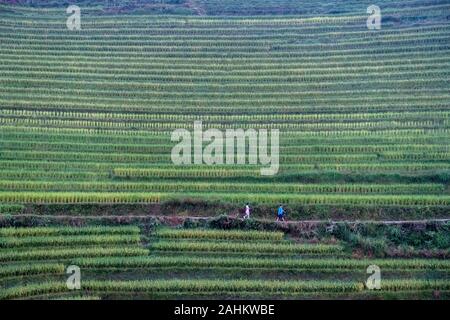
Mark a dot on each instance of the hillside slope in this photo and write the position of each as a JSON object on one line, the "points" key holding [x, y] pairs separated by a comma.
{"points": [[86, 116]]}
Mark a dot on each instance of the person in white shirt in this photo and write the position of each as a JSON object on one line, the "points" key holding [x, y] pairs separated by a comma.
{"points": [[247, 212]]}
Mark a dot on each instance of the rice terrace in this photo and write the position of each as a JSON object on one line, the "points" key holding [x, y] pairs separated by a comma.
{"points": [[225, 149]]}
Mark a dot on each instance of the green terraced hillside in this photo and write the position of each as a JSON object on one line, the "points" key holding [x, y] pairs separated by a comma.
{"points": [[86, 116], [86, 171], [173, 263]]}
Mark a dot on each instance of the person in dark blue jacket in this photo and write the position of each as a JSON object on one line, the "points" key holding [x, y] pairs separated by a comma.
{"points": [[280, 214]]}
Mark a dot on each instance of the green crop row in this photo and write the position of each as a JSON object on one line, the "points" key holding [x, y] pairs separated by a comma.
{"points": [[231, 46], [184, 173], [327, 145], [14, 242], [25, 98], [95, 197], [374, 141], [165, 78], [243, 43], [360, 57], [166, 157], [184, 70], [253, 63], [141, 100], [187, 287], [399, 265], [166, 126], [269, 13], [287, 149], [437, 80], [237, 287], [284, 158], [68, 231], [140, 134], [31, 269], [10, 208], [411, 200], [269, 8], [218, 234], [80, 197], [101, 172], [411, 285], [77, 298], [213, 38], [192, 172], [411, 47], [19, 174], [247, 248], [183, 186], [225, 118], [212, 67], [67, 253]]}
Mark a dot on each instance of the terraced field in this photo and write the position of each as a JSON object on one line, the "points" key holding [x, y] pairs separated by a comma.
{"points": [[87, 178], [169, 263], [86, 115]]}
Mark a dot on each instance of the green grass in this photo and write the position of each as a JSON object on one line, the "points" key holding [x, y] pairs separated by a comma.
{"points": [[86, 117], [91, 130], [219, 235], [248, 248], [67, 231], [275, 264], [200, 262]]}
